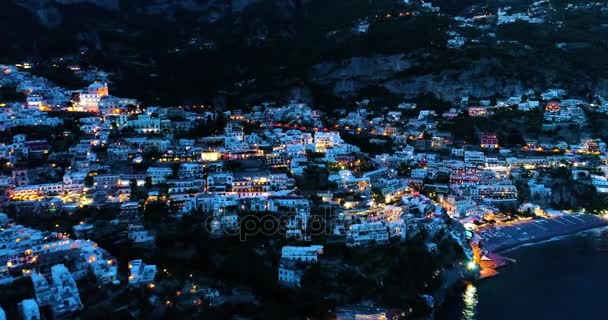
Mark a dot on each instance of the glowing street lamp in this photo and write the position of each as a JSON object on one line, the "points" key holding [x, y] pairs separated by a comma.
{"points": [[471, 265]]}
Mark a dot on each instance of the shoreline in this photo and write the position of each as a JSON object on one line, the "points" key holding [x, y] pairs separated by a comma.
{"points": [[508, 238], [498, 246], [554, 238]]}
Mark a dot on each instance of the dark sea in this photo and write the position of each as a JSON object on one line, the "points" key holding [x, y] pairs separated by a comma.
{"points": [[564, 278]]}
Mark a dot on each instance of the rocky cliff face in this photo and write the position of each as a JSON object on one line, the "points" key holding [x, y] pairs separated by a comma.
{"points": [[210, 10], [452, 85], [106, 4], [267, 41], [379, 67], [349, 76], [391, 73]]}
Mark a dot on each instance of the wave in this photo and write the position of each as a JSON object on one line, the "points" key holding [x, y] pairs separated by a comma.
{"points": [[558, 238]]}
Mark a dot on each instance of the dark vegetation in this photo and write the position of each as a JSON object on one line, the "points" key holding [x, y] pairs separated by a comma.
{"points": [[10, 94], [261, 53]]}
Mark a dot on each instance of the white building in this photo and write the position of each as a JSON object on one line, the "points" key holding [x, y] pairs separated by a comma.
{"points": [[294, 261], [105, 272], [308, 254], [140, 273], [539, 190], [145, 124], [67, 299], [326, 140], [289, 203], [290, 274], [159, 174], [191, 170], [28, 310], [219, 181], [474, 157], [62, 295], [367, 233]]}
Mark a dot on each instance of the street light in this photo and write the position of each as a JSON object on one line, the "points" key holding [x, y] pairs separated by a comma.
{"points": [[471, 265]]}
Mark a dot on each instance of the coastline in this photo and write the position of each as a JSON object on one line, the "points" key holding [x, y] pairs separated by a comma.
{"points": [[503, 239], [467, 298]]}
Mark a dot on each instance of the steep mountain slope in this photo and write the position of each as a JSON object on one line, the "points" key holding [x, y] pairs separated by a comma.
{"points": [[246, 51]]}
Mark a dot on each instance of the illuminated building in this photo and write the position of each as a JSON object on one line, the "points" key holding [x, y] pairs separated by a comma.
{"points": [[308, 254], [360, 313], [145, 124], [141, 273], [367, 233], [288, 203], [35, 101], [294, 261], [325, 140], [99, 89], [489, 141], [552, 106], [210, 156], [478, 112], [28, 310], [474, 157], [159, 174], [61, 296]]}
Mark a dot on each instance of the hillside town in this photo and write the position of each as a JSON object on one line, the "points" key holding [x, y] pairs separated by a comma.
{"points": [[92, 183]]}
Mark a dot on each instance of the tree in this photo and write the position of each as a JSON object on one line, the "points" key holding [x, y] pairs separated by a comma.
{"points": [[175, 170], [89, 181], [377, 195], [156, 212], [131, 108], [148, 182]]}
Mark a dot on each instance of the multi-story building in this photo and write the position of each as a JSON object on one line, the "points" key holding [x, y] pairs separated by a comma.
{"points": [[191, 171], [143, 123], [367, 233], [476, 157], [290, 274], [294, 261], [61, 296], [28, 310], [219, 182], [141, 273], [288, 203], [308, 254], [489, 141], [360, 313], [159, 174]]}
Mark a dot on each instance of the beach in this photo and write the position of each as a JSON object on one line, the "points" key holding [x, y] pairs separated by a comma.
{"points": [[534, 287], [496, 240], [499, 239]]}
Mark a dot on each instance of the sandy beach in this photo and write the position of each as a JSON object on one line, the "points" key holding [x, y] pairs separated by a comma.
{"points": [[500, 239]]}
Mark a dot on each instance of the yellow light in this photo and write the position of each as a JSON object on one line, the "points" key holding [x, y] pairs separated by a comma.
{"points": [[471, 265]]}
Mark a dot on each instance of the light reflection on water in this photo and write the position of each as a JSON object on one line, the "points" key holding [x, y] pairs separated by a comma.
{"points": [[470, 301], [530, 286]]}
